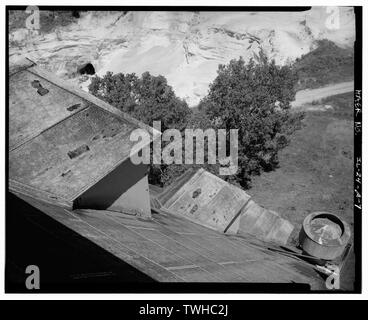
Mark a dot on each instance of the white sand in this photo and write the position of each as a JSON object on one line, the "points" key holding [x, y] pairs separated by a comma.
{"points": [[185, 47]]}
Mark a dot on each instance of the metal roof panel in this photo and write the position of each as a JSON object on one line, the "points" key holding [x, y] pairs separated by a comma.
{"points": [[62, 140]]}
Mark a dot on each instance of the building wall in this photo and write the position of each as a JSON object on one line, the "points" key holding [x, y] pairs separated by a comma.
{"points": [[125, 189]]}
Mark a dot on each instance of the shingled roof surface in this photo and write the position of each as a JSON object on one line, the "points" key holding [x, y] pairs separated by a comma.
{"points": [[169, 248], [61, 140]]}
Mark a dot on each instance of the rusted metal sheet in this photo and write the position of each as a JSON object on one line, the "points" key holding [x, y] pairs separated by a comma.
{"points": [[264, 224], [208, 200], [212, 202], [75, 152], [62, 141], [31, 113]]}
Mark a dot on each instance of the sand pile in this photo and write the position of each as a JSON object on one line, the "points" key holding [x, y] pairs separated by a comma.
{"points": [[185, 47]]}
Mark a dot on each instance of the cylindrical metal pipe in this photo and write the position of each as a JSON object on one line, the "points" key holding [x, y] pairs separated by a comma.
{"points": [[313, 241]]}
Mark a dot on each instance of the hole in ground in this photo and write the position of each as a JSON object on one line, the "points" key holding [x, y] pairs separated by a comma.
{"points": [[87, 68]]}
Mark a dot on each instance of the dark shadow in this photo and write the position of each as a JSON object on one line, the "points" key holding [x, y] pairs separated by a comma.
{"points": [[88, 68], [75, 14], [104, 193], [67, 261]]}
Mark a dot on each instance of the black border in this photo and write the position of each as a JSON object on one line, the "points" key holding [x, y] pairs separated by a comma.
{"points": [[207, 287], [358, 73], [237, 309], [169, 8]]}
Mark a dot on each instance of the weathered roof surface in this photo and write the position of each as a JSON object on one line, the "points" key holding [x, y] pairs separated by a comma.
{"points": [[172, 249], [55, 155], [206, 199], [212, 202], [64, 140], [30, 113]]}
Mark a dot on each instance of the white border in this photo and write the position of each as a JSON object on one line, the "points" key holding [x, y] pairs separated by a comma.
{"points": [[224, 297]]}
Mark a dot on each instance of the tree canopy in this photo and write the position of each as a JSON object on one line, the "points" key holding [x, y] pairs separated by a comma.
{"points": [[148, 98], [254, 98]]}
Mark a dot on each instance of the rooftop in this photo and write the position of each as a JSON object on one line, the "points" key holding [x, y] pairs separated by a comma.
{"points": [[61, 140], [169, 248]]}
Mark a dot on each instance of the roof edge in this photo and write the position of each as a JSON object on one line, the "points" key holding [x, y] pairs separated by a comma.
{"points": [[17, 64], [22, 64], [90, 98], [17, 187]]}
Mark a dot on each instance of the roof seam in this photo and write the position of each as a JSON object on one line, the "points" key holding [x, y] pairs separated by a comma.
{"points": [[161, 246], [89, 101], [20, 187], [20, 67], [30, 138], [120, 243], [90, 98], [102, 175]]}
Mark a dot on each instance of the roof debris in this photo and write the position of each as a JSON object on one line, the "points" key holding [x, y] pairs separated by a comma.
{"points": [[78, 151]]}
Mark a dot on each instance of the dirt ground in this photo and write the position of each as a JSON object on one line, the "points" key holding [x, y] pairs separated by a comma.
{"points": [[315, 170]]}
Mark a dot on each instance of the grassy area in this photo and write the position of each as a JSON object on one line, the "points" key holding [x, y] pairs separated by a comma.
{"points": [[327, 64], [316, 169], [315, 172]]}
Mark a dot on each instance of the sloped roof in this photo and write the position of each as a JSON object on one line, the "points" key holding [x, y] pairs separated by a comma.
{"points": [[214, 203], [62, 140], [205, 199], [167, 248], [170, 248]]}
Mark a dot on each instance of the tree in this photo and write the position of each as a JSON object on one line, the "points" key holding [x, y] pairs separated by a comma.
{"points": [[148, 98], [255, 99]]}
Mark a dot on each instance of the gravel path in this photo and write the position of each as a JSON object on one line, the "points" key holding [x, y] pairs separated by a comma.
{"points": [[309, 95]]}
